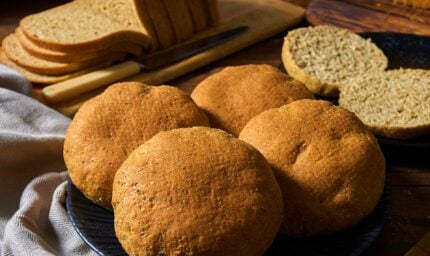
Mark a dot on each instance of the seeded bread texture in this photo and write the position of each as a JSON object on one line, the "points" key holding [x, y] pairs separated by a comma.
{"points": [[46, 79], [131, 13], [74, 56], [78, 26], [162, 25], [328, 164], [234, 95], [180, 18], [14, 51], [394, 104], [196, 191], [325, 58], [107, 128]]}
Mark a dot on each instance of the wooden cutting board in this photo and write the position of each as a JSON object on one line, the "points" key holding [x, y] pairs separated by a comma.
{"points": [[369, 16], [265, 18]]}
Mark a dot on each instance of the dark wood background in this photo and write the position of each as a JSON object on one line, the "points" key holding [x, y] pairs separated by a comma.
{"points": [[408, 172]]}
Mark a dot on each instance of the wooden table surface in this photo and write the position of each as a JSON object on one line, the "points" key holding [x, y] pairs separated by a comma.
{"points": [[408, 172]]}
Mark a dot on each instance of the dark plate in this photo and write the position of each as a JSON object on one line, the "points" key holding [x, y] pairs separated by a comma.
{"points": [[402, 51], [95, 226]]}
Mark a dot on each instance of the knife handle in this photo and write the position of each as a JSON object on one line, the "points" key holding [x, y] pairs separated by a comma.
{"points": [[88, 82]]}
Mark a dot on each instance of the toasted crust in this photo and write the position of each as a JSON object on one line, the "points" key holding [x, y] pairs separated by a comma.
{"points": [[329, 166], [234, 95], [107, 128], [393, 104], [325, 58], [196, 191]]}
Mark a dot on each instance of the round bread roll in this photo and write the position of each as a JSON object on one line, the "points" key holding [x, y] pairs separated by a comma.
{"points": [[109, 127], [196, 191], [329, 166], [236, 94]]}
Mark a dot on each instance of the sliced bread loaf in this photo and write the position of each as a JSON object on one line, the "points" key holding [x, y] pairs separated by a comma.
{"points": [[14, 51], [76, 26], [325, 58], [180, 18], [394, 104], [74, 56], [46, 79]]}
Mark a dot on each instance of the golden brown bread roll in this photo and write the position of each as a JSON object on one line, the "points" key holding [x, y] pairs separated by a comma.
{"points": [[109, 127], [329, 166], [234, 95], [196, 191]]}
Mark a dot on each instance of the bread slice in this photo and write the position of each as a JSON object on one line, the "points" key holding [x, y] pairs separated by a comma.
{"points": [[325, 58], [180, 18], [74, 56], [394, 104], [46, 79], [78, 25], [161, 22], [131, 13], [199, 14], [14, 51]]}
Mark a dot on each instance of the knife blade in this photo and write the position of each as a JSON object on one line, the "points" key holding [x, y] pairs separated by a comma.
{"points": [[73, 87]]}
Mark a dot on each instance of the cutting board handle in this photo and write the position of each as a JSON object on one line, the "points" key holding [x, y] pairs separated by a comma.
{"points": [[78, 85]]}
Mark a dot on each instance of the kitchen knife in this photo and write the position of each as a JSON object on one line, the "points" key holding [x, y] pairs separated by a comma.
{"points": [[88, 82]]}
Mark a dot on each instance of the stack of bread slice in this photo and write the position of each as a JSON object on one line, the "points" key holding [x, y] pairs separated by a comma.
{"points": [[84, 35]]}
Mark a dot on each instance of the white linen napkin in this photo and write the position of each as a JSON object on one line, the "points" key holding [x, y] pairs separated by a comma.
{"points": [[33, 221]]}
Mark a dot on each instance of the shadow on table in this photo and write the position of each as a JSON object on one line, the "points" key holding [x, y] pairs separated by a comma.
{"points": [[411, 157]]}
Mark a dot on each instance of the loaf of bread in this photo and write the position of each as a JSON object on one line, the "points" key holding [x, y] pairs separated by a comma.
{"points": [[64, 41], [325, 58], [328, 164], [107, 128], [196, 191], [394, 104], [234, 95]]}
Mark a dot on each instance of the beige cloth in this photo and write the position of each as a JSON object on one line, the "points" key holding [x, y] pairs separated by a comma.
{"points": [[33, 221]]}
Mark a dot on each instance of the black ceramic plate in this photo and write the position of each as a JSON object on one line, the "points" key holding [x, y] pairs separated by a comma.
{"points": [[402, 51], [95, 226]]}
